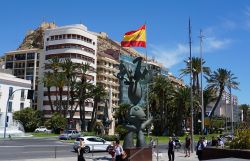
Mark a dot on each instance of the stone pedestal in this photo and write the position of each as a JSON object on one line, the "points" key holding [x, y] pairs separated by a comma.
{"points": [[139, 154]]}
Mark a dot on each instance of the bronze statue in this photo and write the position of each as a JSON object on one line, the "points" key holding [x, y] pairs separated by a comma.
{"points": [[137, 118]]}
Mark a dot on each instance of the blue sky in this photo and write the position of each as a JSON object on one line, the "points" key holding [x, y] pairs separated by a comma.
{"points": [[225, 25]]}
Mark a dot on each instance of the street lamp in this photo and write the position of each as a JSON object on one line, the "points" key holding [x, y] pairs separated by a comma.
{"points": [[30, 92]]}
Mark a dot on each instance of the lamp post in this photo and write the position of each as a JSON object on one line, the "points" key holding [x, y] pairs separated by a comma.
{"points": [[6, 111], [202, 102], [191, 88]]}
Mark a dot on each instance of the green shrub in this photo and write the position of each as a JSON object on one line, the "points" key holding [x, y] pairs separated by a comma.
{"points": [[121, 131], [92, 133], [109, 137], [30, 118], [241, 140]]}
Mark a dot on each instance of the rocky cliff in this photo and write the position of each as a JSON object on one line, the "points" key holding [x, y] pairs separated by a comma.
{"points": [[34, 38]]}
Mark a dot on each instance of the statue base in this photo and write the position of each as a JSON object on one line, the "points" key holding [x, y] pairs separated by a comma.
{"points": [[139, 154]]}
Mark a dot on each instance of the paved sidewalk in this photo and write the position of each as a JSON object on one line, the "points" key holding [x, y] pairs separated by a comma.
{"points": [[161, 157]]}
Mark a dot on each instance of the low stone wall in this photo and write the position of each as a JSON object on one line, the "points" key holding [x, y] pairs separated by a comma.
{"points": [[216, 153]]}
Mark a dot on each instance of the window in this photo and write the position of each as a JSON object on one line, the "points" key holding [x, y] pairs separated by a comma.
{"points": [[10, 107], [22, 93], [10, 91], [21, 106]]}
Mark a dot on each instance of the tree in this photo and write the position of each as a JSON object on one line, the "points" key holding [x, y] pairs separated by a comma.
{"points": [[84, 87], [99, 93], [48, 81], [69, 69], [209, 95], [121, 113], [196, 65], [182, 101], [29, 117], [161, 98], [58, 122], [218, 80]]}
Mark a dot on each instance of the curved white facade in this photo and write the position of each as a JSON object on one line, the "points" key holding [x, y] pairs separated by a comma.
{"points": [[74, 42]]}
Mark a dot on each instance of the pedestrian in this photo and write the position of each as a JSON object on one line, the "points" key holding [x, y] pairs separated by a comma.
{"points": [[214, 141], [187, 146], [111, 151], [118, 151], [152, 142], [171, 146], [200, 146], [205, 141], [80, 156]]}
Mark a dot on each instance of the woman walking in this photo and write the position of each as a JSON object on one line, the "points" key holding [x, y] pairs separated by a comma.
{"points": [[118, 151], [80, 156]]}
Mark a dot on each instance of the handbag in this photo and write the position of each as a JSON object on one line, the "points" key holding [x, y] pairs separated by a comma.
{"points": [[124, 155]]}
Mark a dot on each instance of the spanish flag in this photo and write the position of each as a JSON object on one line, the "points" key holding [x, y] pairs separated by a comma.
{"points": [[135, 38]]}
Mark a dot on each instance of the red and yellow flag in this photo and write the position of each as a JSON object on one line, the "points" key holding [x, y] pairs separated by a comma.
{"points": [[135, 38]]}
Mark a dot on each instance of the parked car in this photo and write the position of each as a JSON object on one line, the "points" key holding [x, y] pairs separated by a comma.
{"points": [[92, 143], [42, 129], [70, 134]]}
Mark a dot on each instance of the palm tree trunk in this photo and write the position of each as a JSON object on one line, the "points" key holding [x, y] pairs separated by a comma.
{"points": [[217, 103], [93, 116], [50, 101]]}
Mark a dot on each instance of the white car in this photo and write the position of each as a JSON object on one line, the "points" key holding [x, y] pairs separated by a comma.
{"points": [[92, 143], [42, 129]]}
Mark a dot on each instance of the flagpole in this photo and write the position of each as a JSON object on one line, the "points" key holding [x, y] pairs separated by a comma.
{"points": [[191, 88], [147, 85]]}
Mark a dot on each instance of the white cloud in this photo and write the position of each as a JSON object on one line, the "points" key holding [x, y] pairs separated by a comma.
{"points": [[213, 43], [172, 56], [169, 57]]}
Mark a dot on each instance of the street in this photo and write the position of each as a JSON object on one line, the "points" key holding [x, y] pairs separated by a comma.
{"points": [[34, 148]]}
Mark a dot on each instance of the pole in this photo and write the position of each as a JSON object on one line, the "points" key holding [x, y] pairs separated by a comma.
{"points": [[202, 101], [232, 115], [191, 88], [147, 90], [6, 111], [226, 109]]}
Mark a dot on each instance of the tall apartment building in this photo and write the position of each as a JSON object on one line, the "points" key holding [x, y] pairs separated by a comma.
{"points": [[74, 42], [25, 65], [226, 108], [24, 61], [18, 100]]}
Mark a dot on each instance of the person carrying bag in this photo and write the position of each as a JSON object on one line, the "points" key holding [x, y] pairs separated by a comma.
{"points": [[80, 156]]}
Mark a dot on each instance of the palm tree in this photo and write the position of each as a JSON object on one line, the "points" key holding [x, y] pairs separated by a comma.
{"points": [[60, 82], [121, 113], [99, 94], [69, 69], [196, 65], [182, 101], [48, 81], [209, 95], [218, 80], [84, 87], [161, 98]]}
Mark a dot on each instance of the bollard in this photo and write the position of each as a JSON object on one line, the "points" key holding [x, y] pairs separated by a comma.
{"points": [[157, 150], [55, 151], [92, 151]]}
